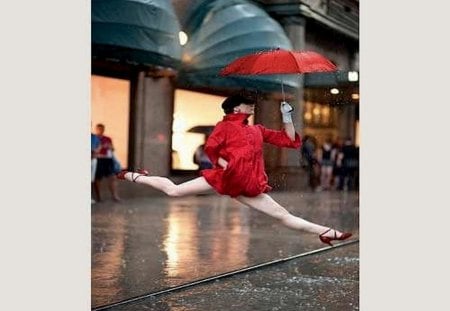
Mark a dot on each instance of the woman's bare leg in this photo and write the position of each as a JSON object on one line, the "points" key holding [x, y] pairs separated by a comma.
{"points": [[194, 186], [264, 203]]}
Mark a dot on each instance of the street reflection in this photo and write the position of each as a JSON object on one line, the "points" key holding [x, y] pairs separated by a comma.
{"points": [[231, 248], [107, 259], [199, 241], [149, 244], [181, 241]]}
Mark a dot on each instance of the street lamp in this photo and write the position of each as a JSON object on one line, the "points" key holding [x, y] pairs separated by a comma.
{"points": [[182, 36], [352, 76]]}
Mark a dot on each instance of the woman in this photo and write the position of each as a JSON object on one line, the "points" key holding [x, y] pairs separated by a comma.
{"points": [[235, 149]]}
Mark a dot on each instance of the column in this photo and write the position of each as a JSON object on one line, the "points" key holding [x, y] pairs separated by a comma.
{"points": [[268, 113], [151, 128], [347, 119], [294, 27], [288, 175]]}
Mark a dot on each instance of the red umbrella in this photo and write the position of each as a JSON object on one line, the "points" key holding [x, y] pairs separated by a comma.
{"points": [[278, 61]]}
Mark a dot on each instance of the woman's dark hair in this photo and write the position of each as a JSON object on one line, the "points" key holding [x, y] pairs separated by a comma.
{"points": [[235, 100]]}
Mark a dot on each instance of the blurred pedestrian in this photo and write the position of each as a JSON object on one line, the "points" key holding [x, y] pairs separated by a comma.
{"points": [[350, 166], [105, 164], [309, 161], [201, 158], [235, 149], [326, 158], [337, 163], [95, 149]]}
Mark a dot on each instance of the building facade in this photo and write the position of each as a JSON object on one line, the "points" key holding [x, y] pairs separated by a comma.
{"points": [[150, 88]]}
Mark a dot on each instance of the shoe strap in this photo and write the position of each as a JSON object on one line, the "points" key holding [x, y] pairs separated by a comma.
{"points": [[135, 178], [327, 231]]}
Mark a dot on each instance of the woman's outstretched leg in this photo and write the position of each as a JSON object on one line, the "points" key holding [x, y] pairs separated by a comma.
{"points": [[194, 186], [264, 203]]}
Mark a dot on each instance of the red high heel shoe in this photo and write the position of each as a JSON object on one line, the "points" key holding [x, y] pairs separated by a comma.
{"points": [[139, 171], [121, 174], [327, 240]]}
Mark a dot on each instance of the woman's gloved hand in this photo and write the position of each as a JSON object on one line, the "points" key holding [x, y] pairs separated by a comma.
{"points": [[286, 111]]}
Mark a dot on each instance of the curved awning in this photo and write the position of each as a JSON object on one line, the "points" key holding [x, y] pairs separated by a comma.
{"points": [[136, 31], [222, 30]]}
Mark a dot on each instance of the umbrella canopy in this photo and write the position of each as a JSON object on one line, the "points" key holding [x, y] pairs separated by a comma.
{"points": [[279, 61]]}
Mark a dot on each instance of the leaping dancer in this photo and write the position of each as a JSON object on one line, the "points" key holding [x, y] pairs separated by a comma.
{"points": [[236, 151]]}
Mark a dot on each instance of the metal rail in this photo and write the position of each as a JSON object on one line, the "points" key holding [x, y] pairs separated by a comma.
{"points": [[220, 276]]}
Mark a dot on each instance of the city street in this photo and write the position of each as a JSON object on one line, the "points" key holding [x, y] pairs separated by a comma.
{"points": [[149, 243]]}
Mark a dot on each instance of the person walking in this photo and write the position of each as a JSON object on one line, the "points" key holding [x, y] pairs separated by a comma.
{"points": [[235, 149], [309, 162], [201, 158], [95, 149], [105, 164], [326, 159], [337, 163], [350, 160]]}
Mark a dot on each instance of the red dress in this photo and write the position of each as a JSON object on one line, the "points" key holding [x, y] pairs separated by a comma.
{"points": [[242, 146]]}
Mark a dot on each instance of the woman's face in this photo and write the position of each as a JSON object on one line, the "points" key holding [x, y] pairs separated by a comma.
{"points": [[245, 108]]}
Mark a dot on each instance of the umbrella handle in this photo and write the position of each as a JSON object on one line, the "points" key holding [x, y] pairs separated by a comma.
{"points": [[282, 90]]}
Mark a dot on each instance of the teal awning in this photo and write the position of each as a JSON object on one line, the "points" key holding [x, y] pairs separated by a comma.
{"points": [[220, 31], [136, 31]]}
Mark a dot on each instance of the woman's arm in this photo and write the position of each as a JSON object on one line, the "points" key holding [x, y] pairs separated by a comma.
{"points": [[290, 130], [214, 143], [287, 137]]}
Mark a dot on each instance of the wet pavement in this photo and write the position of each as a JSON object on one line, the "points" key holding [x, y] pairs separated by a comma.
{"points": [[146, 244], [329, 281]]}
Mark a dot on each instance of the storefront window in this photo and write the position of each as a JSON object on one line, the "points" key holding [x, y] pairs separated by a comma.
{"points": [[110, 102], [318, 115], [194, 115]]}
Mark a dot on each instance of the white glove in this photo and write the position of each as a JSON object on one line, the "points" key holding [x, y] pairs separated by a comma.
{"points": [[286, 111]]}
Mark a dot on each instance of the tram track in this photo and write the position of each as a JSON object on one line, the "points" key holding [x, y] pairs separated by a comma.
{"points": [[220, 276]]}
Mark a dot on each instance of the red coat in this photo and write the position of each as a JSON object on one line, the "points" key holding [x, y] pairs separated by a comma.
{"points": [[242, 146]]}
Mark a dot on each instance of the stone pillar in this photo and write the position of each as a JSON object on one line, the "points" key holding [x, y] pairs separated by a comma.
{"points": [[282, 175], [152, 117], [283, 165], [351, 121], [267, 113], [347, 122], [294, 27]]}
